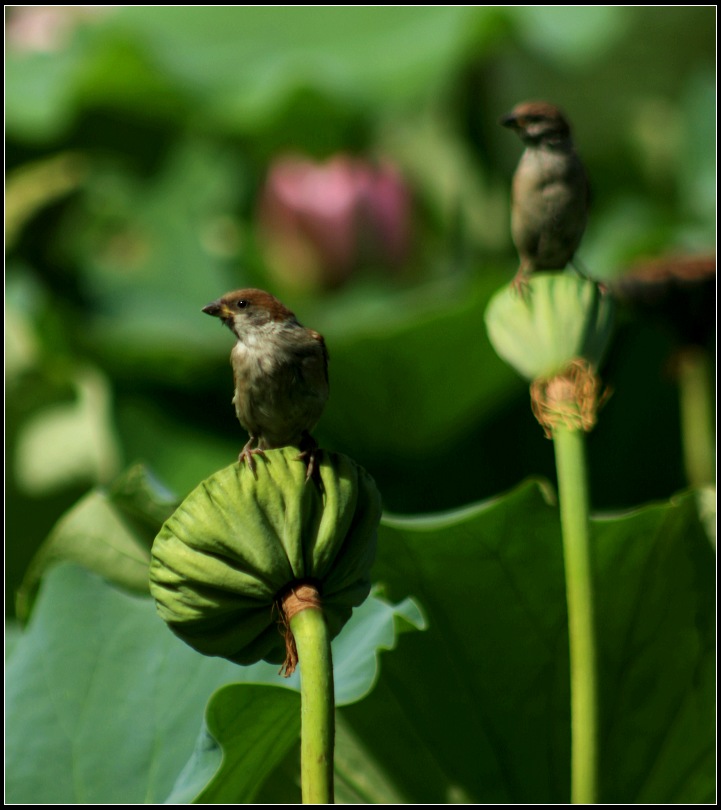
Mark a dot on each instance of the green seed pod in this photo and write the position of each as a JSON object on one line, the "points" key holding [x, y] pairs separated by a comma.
{"points": [[552, 322], [236, 543]]}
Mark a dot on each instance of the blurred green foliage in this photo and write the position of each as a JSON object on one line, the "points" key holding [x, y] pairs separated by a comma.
{"points": [[137, 143], [137, 140]]}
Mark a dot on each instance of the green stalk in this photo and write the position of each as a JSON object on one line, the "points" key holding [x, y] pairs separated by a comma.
{"points": [[696, 401], [573, 496], [317, 707]]}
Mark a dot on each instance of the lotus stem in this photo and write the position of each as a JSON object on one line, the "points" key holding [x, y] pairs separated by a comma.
{"points": [[312, 641], [569, 445]]}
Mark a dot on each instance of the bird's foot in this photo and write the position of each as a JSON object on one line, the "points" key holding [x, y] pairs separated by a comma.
{"points": [[310, 453], [247, 453], [583, 272], [520, 286]]}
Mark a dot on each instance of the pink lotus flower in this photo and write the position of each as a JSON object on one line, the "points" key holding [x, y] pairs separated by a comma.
{"points": [[46, 29], [321, 222]]}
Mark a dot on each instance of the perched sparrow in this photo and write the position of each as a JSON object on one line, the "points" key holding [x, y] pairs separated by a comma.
{"points": [[280, 370], [550, 190]]}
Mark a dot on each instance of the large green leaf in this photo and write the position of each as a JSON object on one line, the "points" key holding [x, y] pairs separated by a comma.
{"points": [[108, 531], [656, 617], [104, 704], [257, 726], [476, 709], [232, 759]]}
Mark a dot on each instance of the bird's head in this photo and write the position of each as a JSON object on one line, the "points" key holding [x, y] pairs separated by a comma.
{"points": [[537, 123], [243, 311]]}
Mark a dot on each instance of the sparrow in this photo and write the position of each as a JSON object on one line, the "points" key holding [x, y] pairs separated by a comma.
{"points": [[550, 197], [280, 373]]}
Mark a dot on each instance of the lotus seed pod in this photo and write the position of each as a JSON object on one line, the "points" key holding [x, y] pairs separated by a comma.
{"points": [[238, 542], [552, 322], [677, 291]]}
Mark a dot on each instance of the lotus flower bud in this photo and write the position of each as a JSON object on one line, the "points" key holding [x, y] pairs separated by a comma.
{"points": [[236, 544]]}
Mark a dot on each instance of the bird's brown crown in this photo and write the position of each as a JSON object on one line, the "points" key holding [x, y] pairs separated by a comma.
{"points": [[537, 118], [256, 304], [258, 298]]}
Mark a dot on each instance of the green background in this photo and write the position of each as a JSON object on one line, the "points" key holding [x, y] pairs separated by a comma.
{"points": [[137, 142]]}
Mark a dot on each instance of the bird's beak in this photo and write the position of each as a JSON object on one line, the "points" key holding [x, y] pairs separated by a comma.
{"points": [[509, 120], [218, 309]]}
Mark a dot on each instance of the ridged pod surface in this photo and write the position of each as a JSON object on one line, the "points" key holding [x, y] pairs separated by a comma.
{"points": [[237, 542], [556, 320]]}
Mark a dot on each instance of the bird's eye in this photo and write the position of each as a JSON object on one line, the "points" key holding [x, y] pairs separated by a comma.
{"points": [[242, 304]]}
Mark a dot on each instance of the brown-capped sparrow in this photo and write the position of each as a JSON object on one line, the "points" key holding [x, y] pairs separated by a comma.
{"points": [[280, 371], [550, 197]]}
